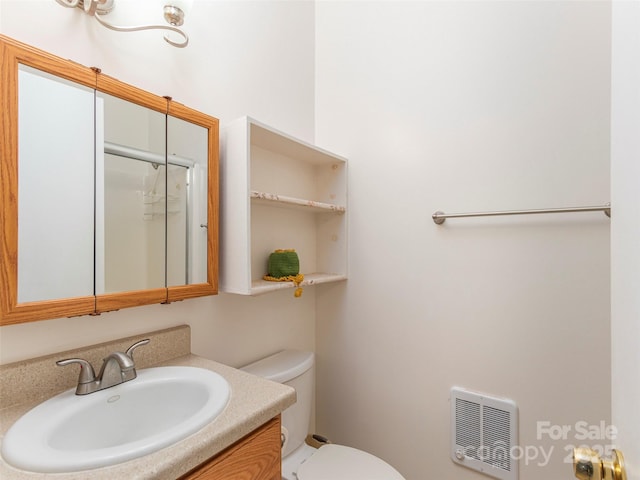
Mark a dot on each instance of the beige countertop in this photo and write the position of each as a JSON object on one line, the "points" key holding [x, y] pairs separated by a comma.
{"points": [[253, 402]]}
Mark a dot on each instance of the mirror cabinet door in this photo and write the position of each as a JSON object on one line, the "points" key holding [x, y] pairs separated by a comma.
{"points": [[186, 202], [130, 196], [46, 185], [192, 203], [55, 187]]}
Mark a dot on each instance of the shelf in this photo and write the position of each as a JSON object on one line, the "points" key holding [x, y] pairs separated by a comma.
{"points": [[274, 140], [276, 200], [279, 192], [259, 287]]}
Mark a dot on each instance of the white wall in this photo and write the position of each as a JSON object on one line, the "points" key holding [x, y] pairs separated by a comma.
{"points": [[465, 106], [625, 231], [439, 105], [245, 58]]}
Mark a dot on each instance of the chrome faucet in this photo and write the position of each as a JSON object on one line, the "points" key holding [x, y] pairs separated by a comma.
{"points": [[117, 367]]}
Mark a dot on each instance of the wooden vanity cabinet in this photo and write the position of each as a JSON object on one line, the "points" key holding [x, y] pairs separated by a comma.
{"points": [[255, 457]]}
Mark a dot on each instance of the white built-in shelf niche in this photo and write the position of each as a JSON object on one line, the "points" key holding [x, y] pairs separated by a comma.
{"points": [[279, 192]]}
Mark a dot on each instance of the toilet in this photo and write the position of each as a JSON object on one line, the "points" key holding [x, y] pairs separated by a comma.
{"points": [[301, 461]]}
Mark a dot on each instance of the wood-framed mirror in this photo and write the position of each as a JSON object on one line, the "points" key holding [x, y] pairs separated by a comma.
{"points": [[109, 193]]}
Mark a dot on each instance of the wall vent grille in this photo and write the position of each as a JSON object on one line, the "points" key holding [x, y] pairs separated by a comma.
{"points": [[484, 433]]}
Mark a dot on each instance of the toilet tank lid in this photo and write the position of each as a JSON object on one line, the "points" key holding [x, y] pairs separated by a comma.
{"points": [[283, 366]]}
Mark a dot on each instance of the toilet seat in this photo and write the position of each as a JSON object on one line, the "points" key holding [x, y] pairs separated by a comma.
{"points": [[337, 462]]}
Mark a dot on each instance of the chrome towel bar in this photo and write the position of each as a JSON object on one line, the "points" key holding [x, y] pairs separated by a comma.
{"points": [[440, 217]]}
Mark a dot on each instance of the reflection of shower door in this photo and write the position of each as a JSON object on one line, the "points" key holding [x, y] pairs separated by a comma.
{"points": [[178, 182], [145, 218], [134, 224]]}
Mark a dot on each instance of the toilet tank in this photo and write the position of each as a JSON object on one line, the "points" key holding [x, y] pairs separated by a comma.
{"points": [[293, 368]]}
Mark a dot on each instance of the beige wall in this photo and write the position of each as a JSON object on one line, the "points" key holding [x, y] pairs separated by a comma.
{"points": [[244, 58], [465, 106]]}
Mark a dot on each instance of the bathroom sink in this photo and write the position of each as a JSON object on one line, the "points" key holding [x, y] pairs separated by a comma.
{"points": [[71, 432]]}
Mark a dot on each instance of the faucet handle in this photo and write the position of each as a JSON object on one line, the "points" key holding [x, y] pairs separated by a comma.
{"points": [[87, 375], [130, 350]]}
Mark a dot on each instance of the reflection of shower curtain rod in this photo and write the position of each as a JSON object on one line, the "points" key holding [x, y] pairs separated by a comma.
{"points": [[145, 156]]}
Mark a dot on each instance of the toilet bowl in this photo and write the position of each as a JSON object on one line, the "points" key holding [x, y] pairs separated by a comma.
{"points": [[301, 461]]}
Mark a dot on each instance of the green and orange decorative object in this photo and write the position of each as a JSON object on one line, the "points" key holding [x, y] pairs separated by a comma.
{"points": [[284, 266]]}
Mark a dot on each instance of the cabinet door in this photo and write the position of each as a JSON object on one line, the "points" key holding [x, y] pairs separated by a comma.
{"points": [[131, 202], [55, 187], [255, 457], [46, 258], [192, 208], [187, 222], [131, 196]]}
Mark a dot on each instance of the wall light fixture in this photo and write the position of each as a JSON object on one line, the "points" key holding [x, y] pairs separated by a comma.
{"points": [[174, 12]]}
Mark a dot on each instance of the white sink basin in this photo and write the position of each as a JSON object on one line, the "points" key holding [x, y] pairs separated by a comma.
{"points": [[71, 432]]}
